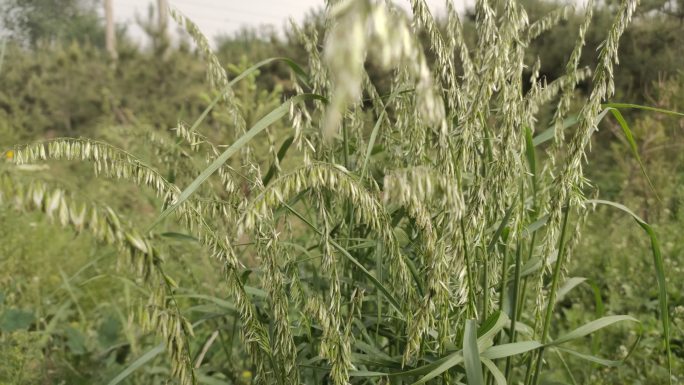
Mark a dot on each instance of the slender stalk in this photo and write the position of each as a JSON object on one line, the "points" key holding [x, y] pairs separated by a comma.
{"points": [[514, 306], [504, 278], [485, 286], [469, 274], [555, 280]]}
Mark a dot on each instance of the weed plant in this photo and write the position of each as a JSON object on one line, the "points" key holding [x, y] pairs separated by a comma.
{"points": [[419, 235]]}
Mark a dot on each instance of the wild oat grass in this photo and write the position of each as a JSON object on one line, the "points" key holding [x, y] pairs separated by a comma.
{"points": [[421, 236]]}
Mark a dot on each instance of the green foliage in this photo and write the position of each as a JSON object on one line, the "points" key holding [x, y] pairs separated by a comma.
{"points": [[388, 214], [48, 21]]}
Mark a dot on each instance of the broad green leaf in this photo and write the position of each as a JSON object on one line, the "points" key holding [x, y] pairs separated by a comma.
{"points": [[471, 354], [76, 341], [443, 365], [16, 319], [512, 349], [570, 284], [499, 377], [548, 134], [490, 328], [137, 364], [536, 225], [591, 327], [428, 371]]}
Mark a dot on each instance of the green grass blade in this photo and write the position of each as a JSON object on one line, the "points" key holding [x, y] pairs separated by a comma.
{"points": [[371, 141], [428, 371], [592, 358], [632, 145], [602, 361], [490, 328], [281, 154], [258, 127], [137, 364], [378, 285], [72, 293], [549, 133], [367, 373], [512, 349], [530, 154], [658, 265], [60, 314], [645, 108], [570, 284], [294, 66], [499, 377], [445, 364], [376, 129], [216, 301], [536, 225], [591, 327], [500, 229], [471, 354]]}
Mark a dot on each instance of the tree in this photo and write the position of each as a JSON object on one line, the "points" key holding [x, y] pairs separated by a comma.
{"points": [[50, 21]]}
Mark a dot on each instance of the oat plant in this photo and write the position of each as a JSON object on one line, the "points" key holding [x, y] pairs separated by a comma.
{"points": [[410, 235]]}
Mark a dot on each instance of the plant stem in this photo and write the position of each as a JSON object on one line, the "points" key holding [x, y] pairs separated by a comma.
{"points": [[555, 280], [514, 306]]}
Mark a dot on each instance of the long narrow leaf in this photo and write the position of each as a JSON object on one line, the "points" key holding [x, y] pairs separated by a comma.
{"points": [[632, 145], [658, 265], [645, 108], [294, 66], [378, 285], [266, 121], [570, 284], [444, 365], [512, 349], [471, 354], [137, 364], [499, 377], [281, 154], [591, 327], [428, 371]]}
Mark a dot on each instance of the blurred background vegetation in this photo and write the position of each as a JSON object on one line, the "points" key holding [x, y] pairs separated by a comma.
{"points": [[56, 79]]}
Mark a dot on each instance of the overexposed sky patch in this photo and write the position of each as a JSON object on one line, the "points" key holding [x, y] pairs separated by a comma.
{"points": [[221, 17], [217, 17]]}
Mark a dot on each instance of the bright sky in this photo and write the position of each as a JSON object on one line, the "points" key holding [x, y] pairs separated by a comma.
{"points": [[215, 17]]}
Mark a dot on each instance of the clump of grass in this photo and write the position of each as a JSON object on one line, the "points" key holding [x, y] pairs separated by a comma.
{"points": [[417, 235]]}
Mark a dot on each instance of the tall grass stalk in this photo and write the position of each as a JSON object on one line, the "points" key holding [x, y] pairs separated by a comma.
{"points": [[382, 234]]}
